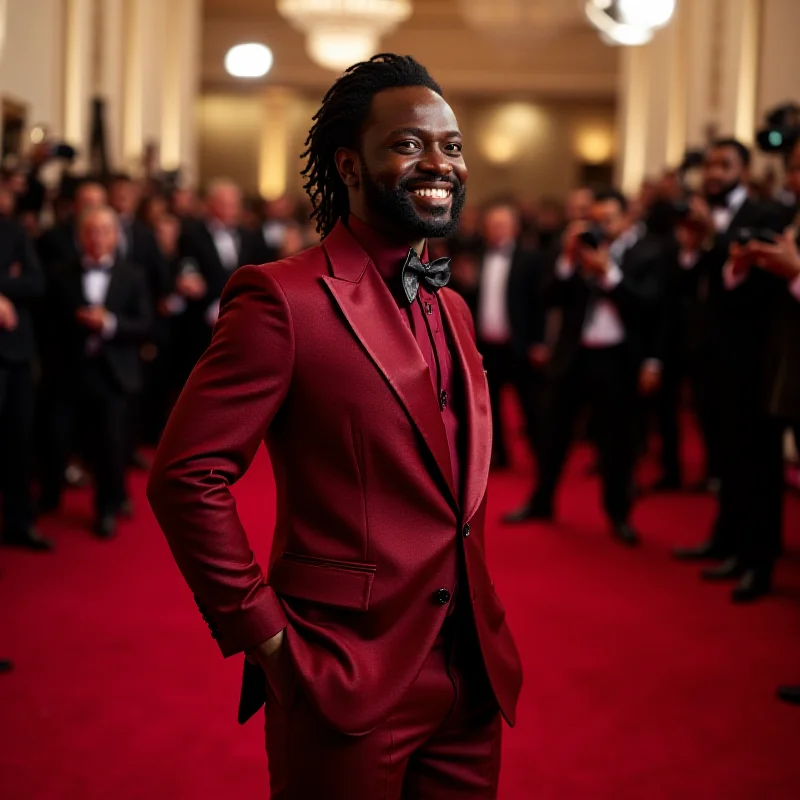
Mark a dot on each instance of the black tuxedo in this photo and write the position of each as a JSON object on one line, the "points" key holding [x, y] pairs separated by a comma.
{"points": [[21, 282], [198, 251], [58, 245], [749, 519], [94, 378], [605, 377], [262, 251], [138, 246], [508, 362], [636, 298], [197, 243], [691, 343]]}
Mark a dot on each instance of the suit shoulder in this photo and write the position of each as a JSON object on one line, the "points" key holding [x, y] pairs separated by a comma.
{"points": [[297, 270]]}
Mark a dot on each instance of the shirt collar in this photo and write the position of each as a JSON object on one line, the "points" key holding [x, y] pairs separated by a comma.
{"points": [[104, 263], [215, 226], [736, 198], [387, 256]]}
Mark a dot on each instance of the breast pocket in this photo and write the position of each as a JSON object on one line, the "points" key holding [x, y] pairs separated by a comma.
{"points": [[343, 584]]}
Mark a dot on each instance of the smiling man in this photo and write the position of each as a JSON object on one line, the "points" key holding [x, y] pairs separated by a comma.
{"points": [[375, 636]]}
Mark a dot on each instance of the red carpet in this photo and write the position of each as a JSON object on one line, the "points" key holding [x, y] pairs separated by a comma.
{"points": [[642, 683]]}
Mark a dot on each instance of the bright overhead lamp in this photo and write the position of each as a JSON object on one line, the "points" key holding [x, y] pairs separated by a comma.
{"points": [[646, 13], [251, 60]]}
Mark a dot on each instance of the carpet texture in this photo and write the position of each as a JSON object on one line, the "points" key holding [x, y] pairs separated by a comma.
{"points": [[641, 682]]}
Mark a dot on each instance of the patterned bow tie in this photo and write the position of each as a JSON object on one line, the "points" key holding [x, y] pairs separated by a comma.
{"points": [[436, 274]]}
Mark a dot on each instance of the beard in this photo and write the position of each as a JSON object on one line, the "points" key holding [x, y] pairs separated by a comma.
{"points": [[396, 207], [721, 197]]}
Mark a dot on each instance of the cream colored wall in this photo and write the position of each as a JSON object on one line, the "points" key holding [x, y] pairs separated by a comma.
{"points": [[541, 139], [31, 63], [229, 132]]}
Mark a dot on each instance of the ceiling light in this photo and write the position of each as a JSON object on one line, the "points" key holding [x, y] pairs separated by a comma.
{"points": [[249, 60], [340, 33], [622, 22], [646, 13]]}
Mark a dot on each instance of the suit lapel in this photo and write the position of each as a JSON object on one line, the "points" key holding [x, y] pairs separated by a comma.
{"points": [[476, 402], [115, 285], [75, 283], [373, 315]]}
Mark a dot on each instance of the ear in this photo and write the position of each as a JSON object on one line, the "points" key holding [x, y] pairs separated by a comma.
{"points": [[349, 167]]}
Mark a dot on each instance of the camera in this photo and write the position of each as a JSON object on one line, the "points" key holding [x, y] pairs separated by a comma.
{"points": [[782, 130], [681, 209], [745, 235], [592, 237]]}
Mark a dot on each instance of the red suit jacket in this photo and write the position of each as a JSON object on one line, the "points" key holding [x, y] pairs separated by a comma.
{"points": [[311, 355]]}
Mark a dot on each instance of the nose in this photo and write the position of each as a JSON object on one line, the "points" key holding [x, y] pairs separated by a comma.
{"points": [[435, 162]]}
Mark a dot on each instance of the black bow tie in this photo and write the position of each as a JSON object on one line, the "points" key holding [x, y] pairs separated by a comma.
{"points": [[436, 274]]}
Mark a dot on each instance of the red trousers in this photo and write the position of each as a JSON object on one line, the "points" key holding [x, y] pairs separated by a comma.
{"points": [[441, 743]]}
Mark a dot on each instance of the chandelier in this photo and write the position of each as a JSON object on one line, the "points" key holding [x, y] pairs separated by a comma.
{"points": [[342, 32], [629, 22]]}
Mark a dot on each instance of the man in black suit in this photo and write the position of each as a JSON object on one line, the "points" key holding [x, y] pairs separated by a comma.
{"points": [[606, 293], [728, 337], [137, 242], [57, 246], [213, 247], [60, 243], [21, 284], [509, 322], [138, 247], [101, 309]]}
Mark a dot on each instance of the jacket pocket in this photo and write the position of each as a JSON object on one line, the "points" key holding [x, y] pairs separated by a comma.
{"points": [[343, 584]]}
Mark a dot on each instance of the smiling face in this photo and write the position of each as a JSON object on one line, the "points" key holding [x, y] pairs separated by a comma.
{"points": [[723, 171], [407, 177]]}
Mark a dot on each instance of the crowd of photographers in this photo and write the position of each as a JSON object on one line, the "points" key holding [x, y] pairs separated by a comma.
{"points": [[641, 308], [632, 308]]}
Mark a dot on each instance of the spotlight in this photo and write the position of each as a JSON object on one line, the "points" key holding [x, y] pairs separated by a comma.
{"points": [[251, 60]]}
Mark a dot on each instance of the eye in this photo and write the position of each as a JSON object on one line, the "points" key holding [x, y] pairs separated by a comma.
{"points": [[454, 148], [408, 144]]}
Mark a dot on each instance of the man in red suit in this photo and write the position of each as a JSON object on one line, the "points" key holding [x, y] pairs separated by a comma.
{"points": [[375, 637]]}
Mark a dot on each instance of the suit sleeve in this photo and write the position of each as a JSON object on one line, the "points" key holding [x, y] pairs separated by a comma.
{"points": [[136, 322], [29, 285], [637, 295], [220, 419]]}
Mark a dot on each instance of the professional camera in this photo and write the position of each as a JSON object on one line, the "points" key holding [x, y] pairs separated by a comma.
{"points": [[745, 235], [782, 130], [592, 237]]}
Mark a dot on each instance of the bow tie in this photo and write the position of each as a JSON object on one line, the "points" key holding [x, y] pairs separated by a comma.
{"points": [[93, 266], [436, 274]]}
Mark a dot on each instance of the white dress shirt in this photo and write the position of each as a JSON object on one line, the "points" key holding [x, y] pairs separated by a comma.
{"points": [[226, 241], [95, 290], [722, 216], [493, 322], [602, 325]]}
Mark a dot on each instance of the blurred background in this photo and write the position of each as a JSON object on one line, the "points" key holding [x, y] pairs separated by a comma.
{"points": [[161, 140]]}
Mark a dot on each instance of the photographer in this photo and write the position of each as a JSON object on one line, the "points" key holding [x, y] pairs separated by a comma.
{"points": [[607, 282], [717, 342]]}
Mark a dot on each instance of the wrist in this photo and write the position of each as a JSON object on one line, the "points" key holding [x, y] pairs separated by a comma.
{"points": [[269, 648]]}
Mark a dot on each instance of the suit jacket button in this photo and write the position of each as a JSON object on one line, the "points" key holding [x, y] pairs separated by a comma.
{"points": [[441, 596], [466, 529]]}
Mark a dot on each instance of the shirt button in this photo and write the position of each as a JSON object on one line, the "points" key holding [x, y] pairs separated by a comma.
{"points": [[441, 596], [443, 400], [466, 529]]}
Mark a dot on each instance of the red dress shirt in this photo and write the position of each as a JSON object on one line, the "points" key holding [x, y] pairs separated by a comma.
{"points": [[389, 258]]}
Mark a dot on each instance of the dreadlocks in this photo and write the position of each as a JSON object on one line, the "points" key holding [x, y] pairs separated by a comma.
{"points": [[338, 123]]}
